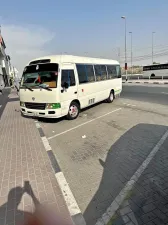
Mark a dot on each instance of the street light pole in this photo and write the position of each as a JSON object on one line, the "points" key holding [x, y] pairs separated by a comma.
{"points": [[152, 45], [123, 17], [131, 52]]}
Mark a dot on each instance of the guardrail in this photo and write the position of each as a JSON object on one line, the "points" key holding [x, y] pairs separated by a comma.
{"points": [[140, 77]]}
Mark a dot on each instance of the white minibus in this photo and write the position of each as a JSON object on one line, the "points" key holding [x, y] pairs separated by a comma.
{"points": [[62, 85]]}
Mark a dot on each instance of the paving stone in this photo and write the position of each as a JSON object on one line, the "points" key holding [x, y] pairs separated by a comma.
{"points": [[148, 208], [148, 200], [130, 223], [24, 158], [125, 210], [126, 219]]}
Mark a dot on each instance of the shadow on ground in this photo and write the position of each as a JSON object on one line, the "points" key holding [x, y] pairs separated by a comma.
{"points": [[9, 212], [37, 213], [4, 99], [123, 159]]}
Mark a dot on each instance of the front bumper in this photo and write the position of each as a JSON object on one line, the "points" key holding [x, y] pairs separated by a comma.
{"points": [[47, 113]]}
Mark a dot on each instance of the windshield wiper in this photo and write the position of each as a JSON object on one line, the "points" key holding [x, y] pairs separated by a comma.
{"points": [[28, 87], [44, 87]]}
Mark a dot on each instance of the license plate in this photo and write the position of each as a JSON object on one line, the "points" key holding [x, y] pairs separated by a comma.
{"points": [[35, 113]]}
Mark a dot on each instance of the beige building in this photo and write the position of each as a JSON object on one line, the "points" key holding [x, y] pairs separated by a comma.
{"points": [[5, 66]]}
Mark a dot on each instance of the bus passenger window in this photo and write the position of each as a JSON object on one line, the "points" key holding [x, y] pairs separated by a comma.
{"points": [[112, 71], [90, 73], [68, 77], [81, 68], [98, 72], [103, 72]]}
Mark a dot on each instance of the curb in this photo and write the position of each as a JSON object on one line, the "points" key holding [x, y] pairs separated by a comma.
{"points": [[119, 199], [71, 203], [145, 82]]}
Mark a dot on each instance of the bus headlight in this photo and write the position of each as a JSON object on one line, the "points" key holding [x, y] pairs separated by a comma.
{"points": [[22, 104], [53, 105]]}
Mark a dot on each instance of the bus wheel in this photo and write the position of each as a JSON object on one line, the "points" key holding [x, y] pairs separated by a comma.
{"points": [[111, 97], [73, 111], [152, 75]]}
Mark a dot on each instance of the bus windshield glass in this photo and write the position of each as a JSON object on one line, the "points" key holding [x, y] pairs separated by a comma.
{"points": [[41, 74]]}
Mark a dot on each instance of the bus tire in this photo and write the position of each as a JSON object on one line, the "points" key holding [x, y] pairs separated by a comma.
{"points": [[111, 97], [73, 111]]}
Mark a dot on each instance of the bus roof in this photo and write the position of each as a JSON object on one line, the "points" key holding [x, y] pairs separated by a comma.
{"points": [[72, 59]]}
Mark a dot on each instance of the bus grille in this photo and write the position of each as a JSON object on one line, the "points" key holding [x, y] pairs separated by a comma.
{"points": [[31, 105]]}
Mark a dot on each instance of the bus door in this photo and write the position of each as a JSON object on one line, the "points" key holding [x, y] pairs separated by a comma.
{"points": [[68, 90]]}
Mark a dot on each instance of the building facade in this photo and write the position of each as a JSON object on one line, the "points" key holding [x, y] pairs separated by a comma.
{"points": [[4, 65]]}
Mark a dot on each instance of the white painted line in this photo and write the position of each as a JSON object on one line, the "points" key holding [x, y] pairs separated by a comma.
{"points": [[131, 214], [131, 105], [68, 196], [129, 185], [37, 124], [165, 93], [72, 205], [46, 144], [0, 106], [82, 124]]}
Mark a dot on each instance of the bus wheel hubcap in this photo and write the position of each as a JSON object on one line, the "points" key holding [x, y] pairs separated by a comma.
{"points": [[73, 110], [111, 96]]}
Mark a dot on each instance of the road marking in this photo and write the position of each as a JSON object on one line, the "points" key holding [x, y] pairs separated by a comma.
{"points": [[165, 93], [129, 185], [129, 104], [68, 196], [82, 124], [71, 203], [131, 218], [46, 143], [0, 106]]}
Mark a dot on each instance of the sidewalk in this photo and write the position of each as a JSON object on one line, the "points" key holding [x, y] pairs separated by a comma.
{"points": [[147, 202], [23, 158]]}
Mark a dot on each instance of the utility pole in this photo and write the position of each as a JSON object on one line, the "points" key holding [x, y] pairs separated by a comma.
{"points": [[131, 52], [152, 45], [123, 17]]}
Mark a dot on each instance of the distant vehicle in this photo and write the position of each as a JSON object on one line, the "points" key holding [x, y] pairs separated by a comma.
{"points": [[61, 85], [155, 70], [2, 84]]}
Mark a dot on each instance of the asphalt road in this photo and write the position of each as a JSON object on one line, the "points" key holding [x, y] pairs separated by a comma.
{"points": [[146, 93]]}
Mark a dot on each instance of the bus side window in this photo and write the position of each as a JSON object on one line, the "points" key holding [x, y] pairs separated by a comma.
{"points": [[68, 77]]}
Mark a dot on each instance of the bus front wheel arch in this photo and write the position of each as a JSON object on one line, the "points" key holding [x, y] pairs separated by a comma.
{"points": [[152, 75]]}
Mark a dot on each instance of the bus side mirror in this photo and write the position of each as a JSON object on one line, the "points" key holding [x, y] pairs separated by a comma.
{"points": [[66, 85]]}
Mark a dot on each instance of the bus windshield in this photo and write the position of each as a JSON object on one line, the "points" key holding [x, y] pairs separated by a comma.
{"points": [[41, 74]]}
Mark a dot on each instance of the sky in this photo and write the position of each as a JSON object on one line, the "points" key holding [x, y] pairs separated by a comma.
{"points": [[90, 28]]}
